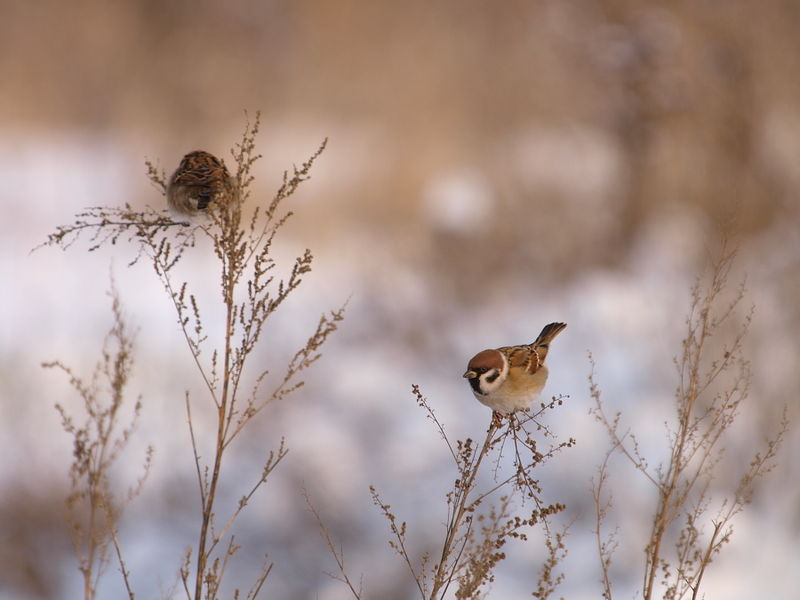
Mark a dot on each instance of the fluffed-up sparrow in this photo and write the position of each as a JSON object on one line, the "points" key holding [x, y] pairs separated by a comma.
{"points": [[508, 379], [199, 180]]}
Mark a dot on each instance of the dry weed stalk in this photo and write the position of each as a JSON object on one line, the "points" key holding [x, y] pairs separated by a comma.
{"points": [[250, 294], [336, 552], [93, 509], [708, 398], [474, 538]]}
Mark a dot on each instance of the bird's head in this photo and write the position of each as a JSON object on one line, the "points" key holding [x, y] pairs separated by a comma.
{"points": [[487, 371]]}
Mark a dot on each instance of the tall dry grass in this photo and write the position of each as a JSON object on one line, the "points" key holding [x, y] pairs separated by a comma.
{"points": [[691, 520], [495, 496], [250, 295]]}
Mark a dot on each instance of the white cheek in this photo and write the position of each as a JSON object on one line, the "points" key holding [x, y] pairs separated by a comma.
{"points": [[489, 387]]}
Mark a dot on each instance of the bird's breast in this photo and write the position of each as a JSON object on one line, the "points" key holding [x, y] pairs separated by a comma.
{"points": [[521, 382]]}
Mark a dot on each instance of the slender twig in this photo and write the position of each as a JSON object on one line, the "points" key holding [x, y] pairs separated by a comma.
{"points": [[338, 555]]}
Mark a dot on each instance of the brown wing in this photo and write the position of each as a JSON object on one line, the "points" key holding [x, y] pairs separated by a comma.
{"points": [[202, 169], [531, 356], [521, 356], [205, 174]]}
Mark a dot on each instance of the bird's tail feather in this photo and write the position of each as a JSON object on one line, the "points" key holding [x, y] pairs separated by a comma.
{"points": [[542, 343]]}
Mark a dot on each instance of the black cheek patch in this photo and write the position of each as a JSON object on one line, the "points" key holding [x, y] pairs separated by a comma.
{"points": [[491, 378], [203, 200]]}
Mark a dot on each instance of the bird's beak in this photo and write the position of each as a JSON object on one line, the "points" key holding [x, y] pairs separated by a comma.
{"points": [[470, 375]]}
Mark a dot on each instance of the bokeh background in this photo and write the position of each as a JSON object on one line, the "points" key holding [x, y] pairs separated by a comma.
{"points": [[491, 167]]}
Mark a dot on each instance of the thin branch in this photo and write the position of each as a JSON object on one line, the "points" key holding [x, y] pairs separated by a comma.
{"points": [[338, 555]]}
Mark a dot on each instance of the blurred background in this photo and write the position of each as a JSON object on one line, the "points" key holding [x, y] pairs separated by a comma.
{"points": [[491, 167]]}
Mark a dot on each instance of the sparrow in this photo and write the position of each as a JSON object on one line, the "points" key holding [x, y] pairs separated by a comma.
{"points": [[508, 379], [199, 180]]}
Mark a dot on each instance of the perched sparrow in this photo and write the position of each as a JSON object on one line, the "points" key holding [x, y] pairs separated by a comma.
{"points": [[508, 379], [200, 179]]}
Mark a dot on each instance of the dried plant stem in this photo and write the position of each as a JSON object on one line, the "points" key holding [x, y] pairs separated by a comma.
{"points": [[607, 545], [177, 298], [222, 417], [242, 249], [337, 554], [462, 506], [112, 532], [706, 405], [673, 492], [93, 509], [474, 538]]}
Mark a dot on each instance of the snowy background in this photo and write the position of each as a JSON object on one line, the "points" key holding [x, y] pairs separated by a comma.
{"points": [[491, 168]]}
